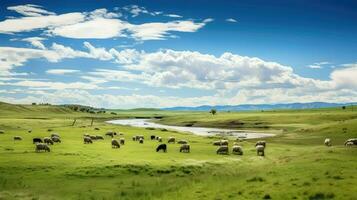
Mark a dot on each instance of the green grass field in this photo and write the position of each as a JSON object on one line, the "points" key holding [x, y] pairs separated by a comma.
{"points": [[297, 165]]}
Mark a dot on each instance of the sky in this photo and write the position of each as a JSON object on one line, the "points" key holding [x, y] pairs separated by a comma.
{"points": [[130, 54]]}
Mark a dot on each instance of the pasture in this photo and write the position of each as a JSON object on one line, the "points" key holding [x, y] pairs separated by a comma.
{"points": [[297, 165]]}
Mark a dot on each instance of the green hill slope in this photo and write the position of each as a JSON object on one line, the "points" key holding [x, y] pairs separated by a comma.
{"points": [[8, 110]]}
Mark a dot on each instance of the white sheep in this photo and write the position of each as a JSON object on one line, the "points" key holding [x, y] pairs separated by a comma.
{"points": [[327, 142]]}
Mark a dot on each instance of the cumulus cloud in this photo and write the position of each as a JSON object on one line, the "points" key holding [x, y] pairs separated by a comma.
{"points": [[345, 77], [171, 68]]}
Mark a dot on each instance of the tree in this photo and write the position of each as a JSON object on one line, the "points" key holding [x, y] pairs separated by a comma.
{"points": [[343, 107], [213, 111]]}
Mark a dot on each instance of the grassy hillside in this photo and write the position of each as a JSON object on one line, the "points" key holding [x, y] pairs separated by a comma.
{"points": [[297, 165]]}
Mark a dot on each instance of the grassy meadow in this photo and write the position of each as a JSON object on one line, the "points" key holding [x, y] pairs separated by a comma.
{"points": [[297, 165]]}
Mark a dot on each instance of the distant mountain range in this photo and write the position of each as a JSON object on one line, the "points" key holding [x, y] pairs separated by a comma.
{"points": [[247, 107]]}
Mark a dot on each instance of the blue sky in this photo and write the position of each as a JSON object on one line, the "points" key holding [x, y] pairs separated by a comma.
{"points": [[125, 54]]}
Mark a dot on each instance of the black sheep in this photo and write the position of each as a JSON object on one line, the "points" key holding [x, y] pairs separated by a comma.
{"points": [[162, 147], [153, 137], [36, 140]]}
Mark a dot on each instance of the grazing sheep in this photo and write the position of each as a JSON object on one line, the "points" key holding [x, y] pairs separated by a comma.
{"points": [[55, 135], [93, 137], [182, 142], [157, 138], [152, 137], [162, 147], [97, 129], [260, 150], [185, 148], [263, 143], [115, 144], [122, 141], [238, 150], [224, 142], [352, 140], [86, 135], [42, 146], [222, 150], [99, 137], [47, 140], [349, 144], [17, 138], [141, 141], [327, 142], [217, 143], [160, 139], [36, 140], [110, 133], [50, 129], [56, 139], [87, 140], [171, 140], [2, 131], [29, 131], [138, 137], [134, 138]]}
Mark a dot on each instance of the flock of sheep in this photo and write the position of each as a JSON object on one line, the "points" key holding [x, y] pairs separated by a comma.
{"points": [[348, 143], [116, 143], [42, 144], [236, 149]]}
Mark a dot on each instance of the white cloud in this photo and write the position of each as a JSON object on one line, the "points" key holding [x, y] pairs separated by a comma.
{"points": [[61, 71], [231, 20], [11, 57], [30, 10], [136, 10], [77, 96], [171, 68], [160, 31], [103, 13], [98, 53], [208, 20], [99, 28], [319, 65], [345, 77], [25, 24], [173, 15], [322, 63], [315, 66], [48, 85], [99, 24], [35, 42]]}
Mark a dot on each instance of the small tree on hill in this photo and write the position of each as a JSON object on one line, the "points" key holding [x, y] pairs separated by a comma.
{"points": [[213, 111]]}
